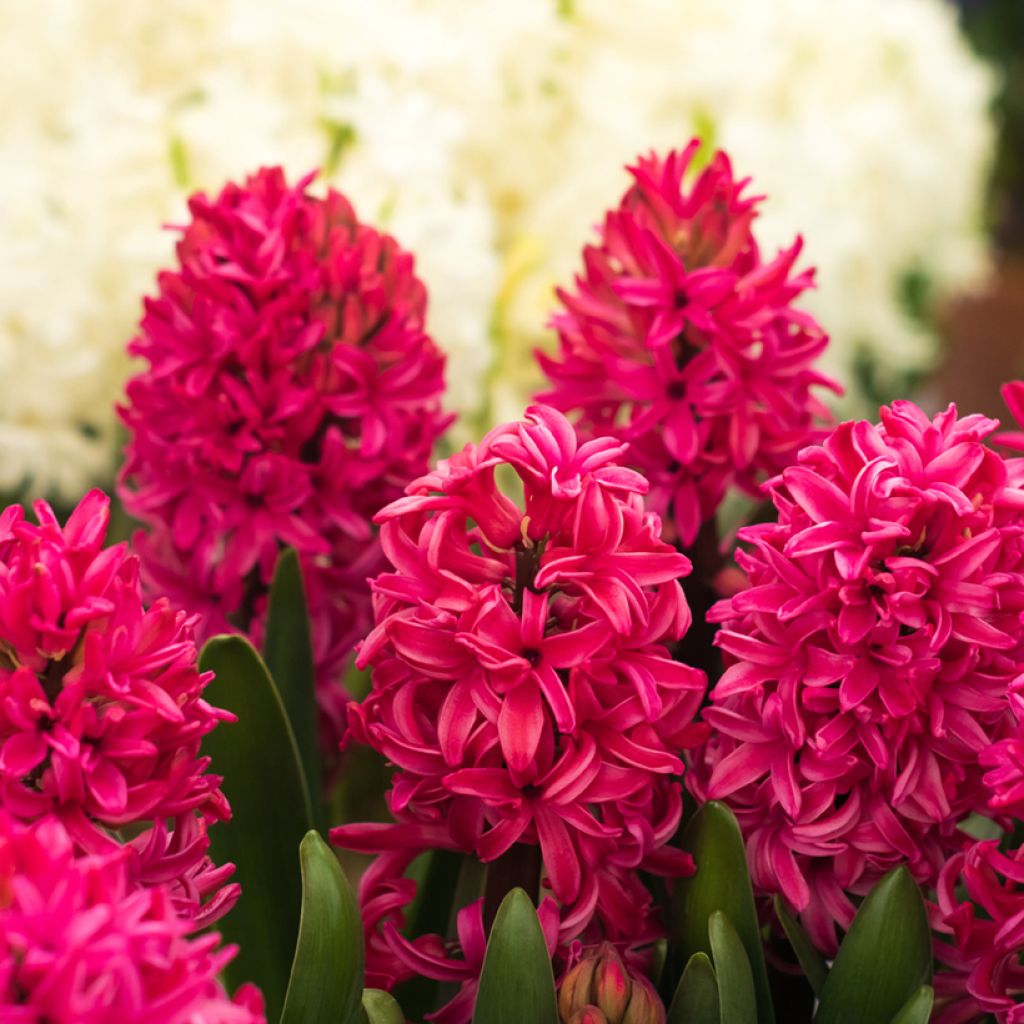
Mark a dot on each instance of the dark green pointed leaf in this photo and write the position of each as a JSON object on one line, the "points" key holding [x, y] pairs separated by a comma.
{"points": [[516, 983], [722, 882], [289, 654], [381, 1008], [885, 957], [270, 814], [918, 1008], [696, 998], [732, 970], [326, 983], [812, 962]]}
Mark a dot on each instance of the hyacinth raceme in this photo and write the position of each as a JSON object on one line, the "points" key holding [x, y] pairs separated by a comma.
{"points": [[80, 943], [870, 659], [101, 706], [291, 392], [522, 686], [680, 339], [979, 917]]}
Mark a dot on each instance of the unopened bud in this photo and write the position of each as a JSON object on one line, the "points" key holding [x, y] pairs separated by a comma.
{"points": [[600, 989], [644, 1005], [588, 1015]]}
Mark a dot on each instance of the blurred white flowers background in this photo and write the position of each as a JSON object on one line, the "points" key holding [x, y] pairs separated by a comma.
{"points": [[488, 137]]}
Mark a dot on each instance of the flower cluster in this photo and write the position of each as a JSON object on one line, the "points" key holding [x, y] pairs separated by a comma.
{"points": [[870, 658], [81, 944], [522, 686], [158, 101], [980, 908], [679, 338], [291, 392], [600, 989], [101, 706]]}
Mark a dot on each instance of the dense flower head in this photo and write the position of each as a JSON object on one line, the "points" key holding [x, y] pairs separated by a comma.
{"points": [[979, 918], [679, 338], [521, 682], [870, 659], [291, 392], [101, 701], [80, 943]]}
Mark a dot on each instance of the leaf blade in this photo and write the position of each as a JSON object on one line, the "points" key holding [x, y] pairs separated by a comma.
{"points": [[326, 981], [696, 998], [736, 996], [812, 962], [264, 784], [288, 650], [918, 1008], [884, 959], [516, 983], [722, 882]]}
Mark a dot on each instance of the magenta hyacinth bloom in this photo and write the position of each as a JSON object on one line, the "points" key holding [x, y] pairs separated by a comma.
{"points": [[291, 392], [680, 339], [979, 917], [81, 944], [521, 681], [101, 703], [870, 660]]}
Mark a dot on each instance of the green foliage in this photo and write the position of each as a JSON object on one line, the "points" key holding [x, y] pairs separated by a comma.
{"points": [[732, 969], [326, 981], [812, 962], [721, 883], [289, 655], [516, 984], [696, 998], [884, 959], [264, 783]]}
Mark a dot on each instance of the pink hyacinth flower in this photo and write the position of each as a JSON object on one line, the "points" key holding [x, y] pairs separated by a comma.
{"points": [[291, 392], [979, 920], [522, 685], [870, 659], [101, 703], [680, 339], [81, 944]]}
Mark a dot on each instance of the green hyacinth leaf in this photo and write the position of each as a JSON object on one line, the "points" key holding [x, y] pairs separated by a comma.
{"points": [[270, 813], [516, 983], [381, 1008], [884, 959], [289, 655], [326, 983], [918, 1008], [696, 998], [721, 882], [812, 962], [736, 995]]}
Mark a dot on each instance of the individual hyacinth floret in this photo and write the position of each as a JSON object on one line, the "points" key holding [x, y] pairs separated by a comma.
{"points": [[870, 660], [522, 686], [979, 916], [291, 392], [101, 703], [679, 338], [81, 944]]}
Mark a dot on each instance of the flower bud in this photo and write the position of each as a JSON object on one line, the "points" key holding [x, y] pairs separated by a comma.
{"points": [[588, 1015], [600, 989]]}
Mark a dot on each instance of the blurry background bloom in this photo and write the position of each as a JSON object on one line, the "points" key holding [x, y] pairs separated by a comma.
{"points": [[488, 138]]}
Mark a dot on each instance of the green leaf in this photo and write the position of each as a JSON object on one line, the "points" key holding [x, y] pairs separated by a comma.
{"points": [[885, 957], [382, 1008], [326, 982], [732, 969], [812, 962], [918, 1008], [289, 653], [516, 983], [722, 882], [696, 998], [270, 814]]}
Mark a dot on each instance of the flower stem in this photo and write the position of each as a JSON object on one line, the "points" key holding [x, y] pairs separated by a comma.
{"points": [[519, 868]]}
